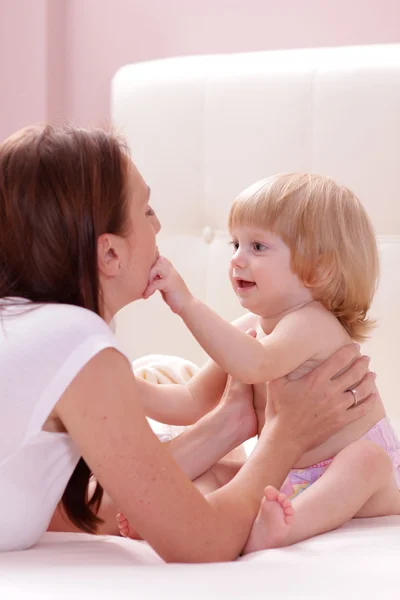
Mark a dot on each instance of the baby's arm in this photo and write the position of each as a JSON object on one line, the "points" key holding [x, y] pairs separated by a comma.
{"points": [[294, 340], [208, 385], [185, 404]]}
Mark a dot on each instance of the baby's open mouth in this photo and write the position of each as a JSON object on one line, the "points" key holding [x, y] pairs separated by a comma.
{"points": [[242, 283]]}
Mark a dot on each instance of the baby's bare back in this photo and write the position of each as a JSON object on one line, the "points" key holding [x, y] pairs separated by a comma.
{"points": [[333, 336]]}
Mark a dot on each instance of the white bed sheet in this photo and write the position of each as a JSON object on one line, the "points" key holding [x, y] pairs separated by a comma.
{"points": [[359, 560]]}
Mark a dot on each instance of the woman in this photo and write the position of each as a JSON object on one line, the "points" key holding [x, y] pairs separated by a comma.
{"points": [[78, 242]]}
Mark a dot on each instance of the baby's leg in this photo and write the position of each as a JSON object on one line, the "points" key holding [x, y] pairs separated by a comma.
{"points": [[358, 483], [218, 476]]}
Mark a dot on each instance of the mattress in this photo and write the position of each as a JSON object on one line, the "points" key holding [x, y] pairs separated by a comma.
{"points": [[359, 560]]}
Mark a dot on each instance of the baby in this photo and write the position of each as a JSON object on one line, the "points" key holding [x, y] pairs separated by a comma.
{"points": [[305, 266]]}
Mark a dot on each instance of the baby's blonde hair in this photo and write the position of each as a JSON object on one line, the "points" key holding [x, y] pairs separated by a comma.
{"points": [[332, 242]]}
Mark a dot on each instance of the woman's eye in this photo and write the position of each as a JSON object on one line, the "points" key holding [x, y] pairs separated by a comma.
{"points": [[259, 247], [150, 212]]}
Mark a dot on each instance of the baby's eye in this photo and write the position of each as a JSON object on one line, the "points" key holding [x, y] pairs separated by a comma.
{"points": [[150, 212], [259, 247], [235, 245]]}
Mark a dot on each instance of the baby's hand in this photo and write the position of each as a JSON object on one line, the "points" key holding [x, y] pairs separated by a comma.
{"points": [[165, 278]]}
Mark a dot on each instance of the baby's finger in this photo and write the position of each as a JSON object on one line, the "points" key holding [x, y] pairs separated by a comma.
{"points": [[149, 291], [155, 285], [160, 269], [155, 274]]}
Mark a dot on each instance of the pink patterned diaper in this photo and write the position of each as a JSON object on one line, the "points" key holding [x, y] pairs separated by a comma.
{"points": [[382, 434]]}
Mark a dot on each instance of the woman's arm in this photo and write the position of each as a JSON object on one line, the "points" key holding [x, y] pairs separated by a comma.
{"points": [[195, 450], [101, 411]]}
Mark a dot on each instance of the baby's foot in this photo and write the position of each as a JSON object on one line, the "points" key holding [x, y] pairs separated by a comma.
{"points": [[272, 524], [125, 530]]}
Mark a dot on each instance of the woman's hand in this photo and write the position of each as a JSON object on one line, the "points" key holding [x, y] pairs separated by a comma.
{"points": [[166, 279], [311, 409]]}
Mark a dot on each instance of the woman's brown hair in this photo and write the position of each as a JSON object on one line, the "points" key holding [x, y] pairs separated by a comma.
{"points": [[60, 188]]}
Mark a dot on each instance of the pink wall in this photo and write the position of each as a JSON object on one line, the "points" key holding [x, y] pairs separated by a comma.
{"points": [[57, 57], [23, 76]]}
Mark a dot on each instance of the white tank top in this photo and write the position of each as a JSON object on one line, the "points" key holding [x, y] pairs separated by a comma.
{"points": [[42, 348]]}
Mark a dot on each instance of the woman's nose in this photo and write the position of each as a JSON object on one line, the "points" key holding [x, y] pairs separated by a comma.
{"points": [[156, 224]]}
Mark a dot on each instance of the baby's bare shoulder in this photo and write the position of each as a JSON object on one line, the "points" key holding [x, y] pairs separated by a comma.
{"points": [[327, 327], [247, 321], [320, 316]]}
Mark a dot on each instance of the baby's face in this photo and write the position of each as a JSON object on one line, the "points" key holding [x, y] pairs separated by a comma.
{"points": [[260, 272]]}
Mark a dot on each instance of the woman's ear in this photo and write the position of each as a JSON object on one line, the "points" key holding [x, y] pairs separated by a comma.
{"points": [[108, 254]]}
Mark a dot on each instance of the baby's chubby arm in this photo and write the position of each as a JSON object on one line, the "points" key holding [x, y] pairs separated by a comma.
{"points": [[185, 404], [294, 340], [208, 385]]}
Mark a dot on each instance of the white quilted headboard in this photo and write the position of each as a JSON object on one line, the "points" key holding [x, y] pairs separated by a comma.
{"points": [[203, 128]]}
